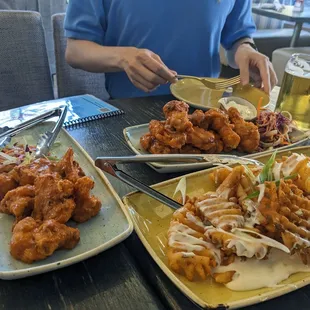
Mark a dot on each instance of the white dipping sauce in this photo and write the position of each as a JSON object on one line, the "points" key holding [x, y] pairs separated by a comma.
{"points": [[253, 274], [244, 110]]}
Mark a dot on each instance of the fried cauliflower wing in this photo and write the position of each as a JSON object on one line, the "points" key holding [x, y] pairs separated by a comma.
{"points": [[35, 240], [202, 139], [7, 167], [198, 118], [167, 136], [176, 113], [174, 106], [207, 141], [53, 199], [7, 183], [247, 131], [219, 122], [152, 145], [146, 141], [87, 205], [190, 149], [18, 202], [68, 168], [27, 174]]}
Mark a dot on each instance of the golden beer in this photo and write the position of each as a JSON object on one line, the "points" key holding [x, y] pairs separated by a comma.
{"points": [[294, 95]]}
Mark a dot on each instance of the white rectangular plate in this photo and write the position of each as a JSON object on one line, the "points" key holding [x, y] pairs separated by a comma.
{"points": [[108, 228], [132, 135]]}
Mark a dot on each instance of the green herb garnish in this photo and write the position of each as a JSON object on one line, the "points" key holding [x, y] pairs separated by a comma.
{"points": [[266, 173], [256, 193], [252, 195]]}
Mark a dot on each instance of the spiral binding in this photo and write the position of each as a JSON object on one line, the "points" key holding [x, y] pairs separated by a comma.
{"points": [[80, 121]]}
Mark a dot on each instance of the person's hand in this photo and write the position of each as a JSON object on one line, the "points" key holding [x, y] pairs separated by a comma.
{"points": [[257, 66], [145, 69]]}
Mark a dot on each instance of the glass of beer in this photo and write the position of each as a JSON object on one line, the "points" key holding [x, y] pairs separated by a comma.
{"points": [[294, 95]]}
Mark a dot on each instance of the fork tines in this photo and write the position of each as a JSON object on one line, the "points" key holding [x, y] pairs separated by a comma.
{"points": [[227, 83]]}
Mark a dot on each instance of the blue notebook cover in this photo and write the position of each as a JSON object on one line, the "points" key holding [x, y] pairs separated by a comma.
{"points": [[81, 109]]}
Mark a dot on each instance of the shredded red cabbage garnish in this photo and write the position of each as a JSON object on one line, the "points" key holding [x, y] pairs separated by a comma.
{"points": [[27, 150], [17, 151], [274, 128]]}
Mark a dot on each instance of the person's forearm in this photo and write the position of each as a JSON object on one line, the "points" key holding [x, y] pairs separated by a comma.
{"points": [[92, 57], [230, 54]]}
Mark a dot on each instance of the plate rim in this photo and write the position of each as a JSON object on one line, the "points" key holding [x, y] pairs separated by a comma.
{"points": [[31, 271], [277, 292], [191, 103], [197, 105]]}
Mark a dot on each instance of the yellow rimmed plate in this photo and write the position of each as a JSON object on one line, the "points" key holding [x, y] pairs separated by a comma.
{"points": [[199, 96], [151, 221], [196, 94]]}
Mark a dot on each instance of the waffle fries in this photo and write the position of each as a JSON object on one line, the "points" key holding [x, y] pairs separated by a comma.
{"points": [[252, 212]]}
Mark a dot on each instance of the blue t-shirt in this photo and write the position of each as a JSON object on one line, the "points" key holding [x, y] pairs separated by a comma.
{"points": [[186, 34]]}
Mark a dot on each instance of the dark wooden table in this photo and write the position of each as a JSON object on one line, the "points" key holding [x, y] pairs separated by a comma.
{"points": [[124, 277], [288, 15]]}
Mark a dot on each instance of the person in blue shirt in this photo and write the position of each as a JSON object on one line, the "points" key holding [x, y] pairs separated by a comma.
{"points": [[142, 44]]}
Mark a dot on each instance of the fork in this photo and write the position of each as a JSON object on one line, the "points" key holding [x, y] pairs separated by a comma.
{"points": [[210, 83]]}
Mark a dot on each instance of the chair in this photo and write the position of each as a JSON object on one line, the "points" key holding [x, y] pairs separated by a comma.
{"points": [[71, 81], [271, 33], [24, 70], [47, 9], [24, 5]]}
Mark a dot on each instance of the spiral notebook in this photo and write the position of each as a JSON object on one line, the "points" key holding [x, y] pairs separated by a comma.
{"points": [[81, 109]]}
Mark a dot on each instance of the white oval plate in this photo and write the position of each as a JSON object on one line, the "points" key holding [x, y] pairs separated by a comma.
{"points": [[132, 135]]}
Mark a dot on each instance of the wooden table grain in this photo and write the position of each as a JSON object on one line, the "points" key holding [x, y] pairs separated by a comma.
{"points": [[111, 280], [125, 276]]}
